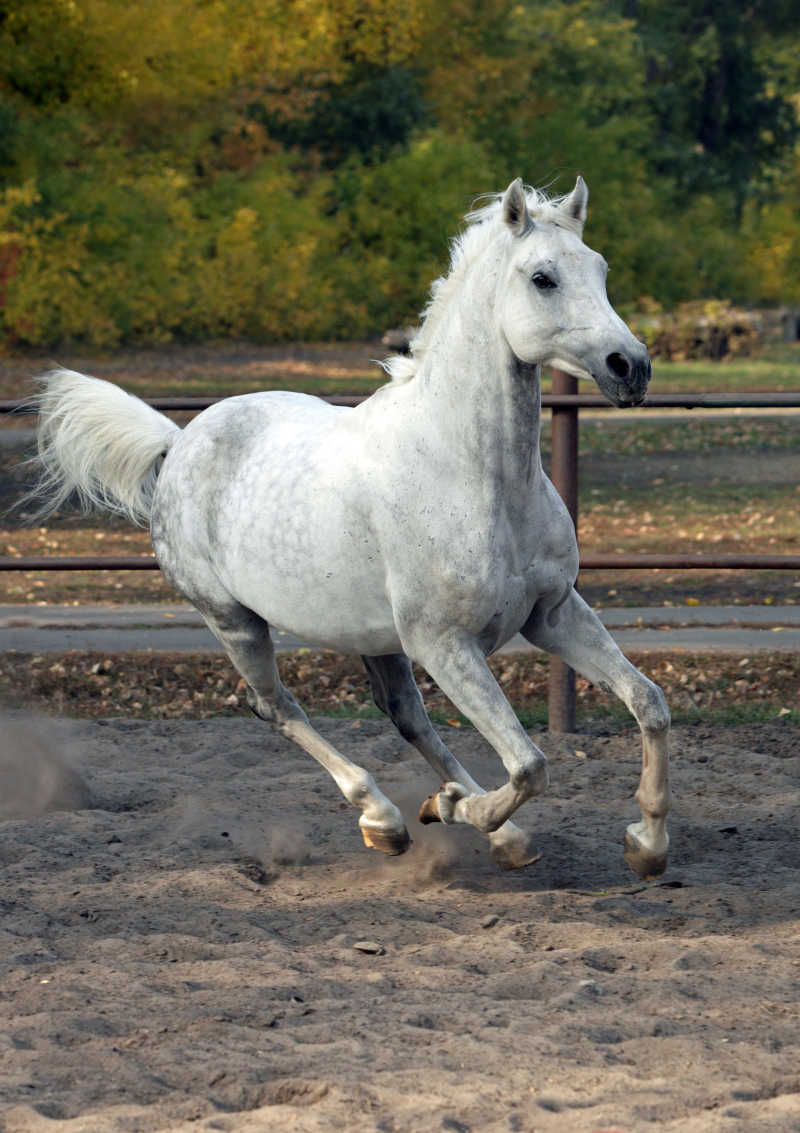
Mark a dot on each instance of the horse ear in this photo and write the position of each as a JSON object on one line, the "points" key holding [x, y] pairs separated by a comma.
{"points": [[515, 209], [577, 203]]}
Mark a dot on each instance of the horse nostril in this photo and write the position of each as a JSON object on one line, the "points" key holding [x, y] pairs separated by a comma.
{"points": [[619, 365]]}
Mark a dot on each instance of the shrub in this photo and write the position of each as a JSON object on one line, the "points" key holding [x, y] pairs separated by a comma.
{"points": [[711, 328]]}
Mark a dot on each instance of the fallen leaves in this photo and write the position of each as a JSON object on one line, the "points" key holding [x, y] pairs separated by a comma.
{"points": [[197, 686]]}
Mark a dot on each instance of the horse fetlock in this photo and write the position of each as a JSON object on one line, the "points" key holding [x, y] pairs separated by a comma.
{"points": [[361, 790], [655, 803], [485, 812]]}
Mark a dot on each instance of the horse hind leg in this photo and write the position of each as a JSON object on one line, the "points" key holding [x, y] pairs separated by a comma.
{"points": [[396, 694], [247, 641]]}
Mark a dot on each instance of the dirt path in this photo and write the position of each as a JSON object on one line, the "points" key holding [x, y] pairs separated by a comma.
{"points": [[178, 942]]}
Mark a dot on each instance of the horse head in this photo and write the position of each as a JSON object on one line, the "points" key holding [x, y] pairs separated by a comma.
{"points": [[554, 309]]}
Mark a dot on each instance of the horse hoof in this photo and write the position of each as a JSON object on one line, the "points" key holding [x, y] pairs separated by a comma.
{"points": [[391, 842], [513, 855], [642, 861], [429, 811]]}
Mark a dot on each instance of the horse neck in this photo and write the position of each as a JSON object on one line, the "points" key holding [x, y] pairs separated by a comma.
{"points": [[482, 397]]}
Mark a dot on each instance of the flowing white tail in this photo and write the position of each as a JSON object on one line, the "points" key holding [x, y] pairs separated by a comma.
{"points": [[100, 443]]}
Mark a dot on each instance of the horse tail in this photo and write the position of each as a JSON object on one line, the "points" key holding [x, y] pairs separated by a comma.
{"points": [[99, 443]]}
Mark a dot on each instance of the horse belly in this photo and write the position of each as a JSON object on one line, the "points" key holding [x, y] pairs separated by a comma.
{"points": [[327, 599], [259, 506]]}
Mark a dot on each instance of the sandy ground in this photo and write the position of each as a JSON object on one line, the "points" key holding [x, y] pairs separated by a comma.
{"points": [[183, 903]]}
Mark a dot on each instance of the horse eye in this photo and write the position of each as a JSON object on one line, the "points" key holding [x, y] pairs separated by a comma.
{"points": [[543, 282]]}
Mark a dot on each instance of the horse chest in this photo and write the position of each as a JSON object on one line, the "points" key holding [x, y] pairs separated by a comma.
{"points": [[484, 576]]}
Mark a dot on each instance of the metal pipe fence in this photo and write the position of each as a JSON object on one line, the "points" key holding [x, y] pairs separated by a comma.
{"points": [[566, 404], [557, 399]]}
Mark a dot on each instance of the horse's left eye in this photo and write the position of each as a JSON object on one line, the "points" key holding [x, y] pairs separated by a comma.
{"points": [[543, 282]]}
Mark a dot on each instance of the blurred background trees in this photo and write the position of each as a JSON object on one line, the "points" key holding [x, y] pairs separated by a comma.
{"points": [[199, 169]]}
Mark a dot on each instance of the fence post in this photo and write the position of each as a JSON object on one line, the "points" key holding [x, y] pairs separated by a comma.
{"points": [[564, 474]]}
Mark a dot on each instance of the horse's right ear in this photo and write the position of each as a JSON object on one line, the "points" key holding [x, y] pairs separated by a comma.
{"points": [[576, 203], [515, 209]]}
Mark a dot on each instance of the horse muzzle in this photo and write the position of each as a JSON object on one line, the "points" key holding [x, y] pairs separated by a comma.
{"points": [[626, 379]]}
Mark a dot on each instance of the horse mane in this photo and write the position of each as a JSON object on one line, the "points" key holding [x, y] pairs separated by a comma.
{"points": [[484, 225]]}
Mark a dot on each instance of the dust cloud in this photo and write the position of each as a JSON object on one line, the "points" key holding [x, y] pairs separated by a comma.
{"points": [[36, 774]]}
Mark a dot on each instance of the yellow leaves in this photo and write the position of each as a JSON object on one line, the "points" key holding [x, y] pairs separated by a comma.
{"points": [[692, 602], [18, 196], [774, 248], [322, 40]]}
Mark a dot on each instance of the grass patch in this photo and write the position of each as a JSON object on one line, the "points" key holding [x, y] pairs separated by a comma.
{"points": [[689, 433], [775, 367], [721, 516], [730, 714]]}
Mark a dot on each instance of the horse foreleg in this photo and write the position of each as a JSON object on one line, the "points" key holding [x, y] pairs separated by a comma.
{"points": [[396, 694], [579, 637], [457, 664], [247, 640]]}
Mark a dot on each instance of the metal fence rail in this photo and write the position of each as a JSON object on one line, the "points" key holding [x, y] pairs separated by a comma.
{"points": [[566, 403], [557, 399], [587, 562]]}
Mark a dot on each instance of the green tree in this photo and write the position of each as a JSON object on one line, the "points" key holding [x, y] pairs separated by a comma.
{"points": [[724, 116], [294, 168]]}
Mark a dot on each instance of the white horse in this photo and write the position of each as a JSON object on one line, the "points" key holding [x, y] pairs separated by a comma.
{"points": [[418, 526]]}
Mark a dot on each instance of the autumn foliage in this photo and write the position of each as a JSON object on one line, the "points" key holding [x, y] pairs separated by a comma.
{"points": [[191, 170]]}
